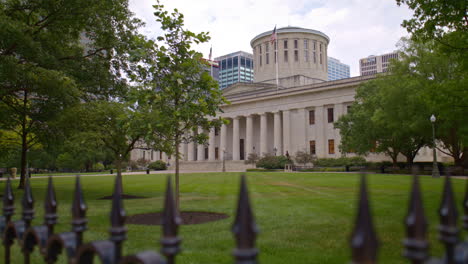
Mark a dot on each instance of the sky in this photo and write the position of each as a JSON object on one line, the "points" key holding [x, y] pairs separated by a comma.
{"points": [[357, 28]]}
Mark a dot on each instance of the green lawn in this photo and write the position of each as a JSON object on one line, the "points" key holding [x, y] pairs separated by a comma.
{"points": [[303, 217]]}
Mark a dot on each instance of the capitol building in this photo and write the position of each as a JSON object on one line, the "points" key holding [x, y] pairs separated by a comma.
{"points": [[289, 107]]}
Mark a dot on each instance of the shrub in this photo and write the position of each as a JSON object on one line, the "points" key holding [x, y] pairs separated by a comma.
{"points": [[340, 162], [273, 162], [252, 158], [98, 167], [303, 157], [157, 165]]}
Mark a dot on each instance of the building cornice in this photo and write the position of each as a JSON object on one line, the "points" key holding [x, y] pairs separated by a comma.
{"points": [[290, 30]]}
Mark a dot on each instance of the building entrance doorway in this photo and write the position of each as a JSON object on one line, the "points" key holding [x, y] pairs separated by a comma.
{"points": [[241, 149]]}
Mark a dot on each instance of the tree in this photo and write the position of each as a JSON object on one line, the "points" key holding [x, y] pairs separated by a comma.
{"points": [[57, 53], [394, 109], [113, 126], [434, 19], [303, 157], [180, 93]]}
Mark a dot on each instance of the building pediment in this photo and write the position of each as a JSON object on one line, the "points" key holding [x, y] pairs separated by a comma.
{"points": [[239, 88]]}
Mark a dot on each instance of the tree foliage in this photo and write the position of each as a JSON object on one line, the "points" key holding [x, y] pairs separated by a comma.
{"points": [[434, 19], [179, 93], [393, 110], [54, 54]]}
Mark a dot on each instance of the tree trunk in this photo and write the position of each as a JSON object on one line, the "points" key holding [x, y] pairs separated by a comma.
{"points": [[177, 194], [24, 142]]}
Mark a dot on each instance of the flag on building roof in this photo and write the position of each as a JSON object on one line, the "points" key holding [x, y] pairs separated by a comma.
{"points": [[273, 35], [211, 50]]}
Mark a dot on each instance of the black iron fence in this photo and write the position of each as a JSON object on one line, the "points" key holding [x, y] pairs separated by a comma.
{"points": [[364, 242]]}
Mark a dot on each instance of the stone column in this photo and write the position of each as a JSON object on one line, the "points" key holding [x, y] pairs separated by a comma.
{"points": [[191, 150], [200, 147], [235, 139], [248, 135], [338, 112], [222, 141], [277, 133], [211, 147], [286, 132], [164, 157], [263, 134], [320, 128]]}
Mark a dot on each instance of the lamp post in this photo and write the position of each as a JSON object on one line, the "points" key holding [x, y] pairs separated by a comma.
{"points": [[224, 160], [435, 168]]}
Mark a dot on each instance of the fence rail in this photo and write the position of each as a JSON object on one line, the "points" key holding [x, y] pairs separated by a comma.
{"points": [[364, 242]]}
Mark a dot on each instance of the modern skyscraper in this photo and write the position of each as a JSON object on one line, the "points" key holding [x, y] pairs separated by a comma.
{"points": [[213, 69], [376, 64], [235, 67], [337, 70]]}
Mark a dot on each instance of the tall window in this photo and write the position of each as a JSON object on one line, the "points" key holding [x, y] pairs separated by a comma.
{"points": [[311, 117], [330, 115], [285, 56], [285, 42], [331, 146], [321, 60], [315, 51], [296, 55], [306, 55], [260, 61], [312, 147], [267, 53], [296, 43], [306, 44]]}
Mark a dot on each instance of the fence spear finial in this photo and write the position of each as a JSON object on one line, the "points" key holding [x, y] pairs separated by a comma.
{"points": [[364, 242], [448, 231], [79, 208], [28, 204], [244, 228], [50, 206], [8, 201], [117, 217]]}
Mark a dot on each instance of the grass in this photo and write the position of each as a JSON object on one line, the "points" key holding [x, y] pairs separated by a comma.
{"points": [[303, 217]]}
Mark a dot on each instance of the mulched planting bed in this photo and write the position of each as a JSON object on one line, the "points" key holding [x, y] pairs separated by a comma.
{"points": [[188, 218], [124, 196]]}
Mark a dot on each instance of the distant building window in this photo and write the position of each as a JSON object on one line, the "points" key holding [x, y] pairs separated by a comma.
{"points": [[306, 44], [216, 131], [285, 56], [285, 44], [295, 43], [267, 58], [260, 60], [330, 115], [331, 146], [348, 109], [321, 62], [312, 147], [320, 47], [315, 57], [206, 153], [260, 48], [267, 47], [306, 55], [216, 153], [311, 117], [296, 55]]}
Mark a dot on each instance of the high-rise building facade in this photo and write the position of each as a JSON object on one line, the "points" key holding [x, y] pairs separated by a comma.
{"points": [[234, 68], [337, 70], [376, 64]]}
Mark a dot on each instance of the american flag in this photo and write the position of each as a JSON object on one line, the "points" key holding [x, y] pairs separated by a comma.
{"points": [[273, 35]]}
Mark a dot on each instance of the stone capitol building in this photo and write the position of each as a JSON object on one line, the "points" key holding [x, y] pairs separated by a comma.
{"points": [[295, 115]]}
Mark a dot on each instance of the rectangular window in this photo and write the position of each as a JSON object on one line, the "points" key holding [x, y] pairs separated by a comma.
{"points": [[295, 43], [285, 44], [285, 56], [330, 115], [296, 55], [320, 47], [206, 153], [260, 60], [315, 57], [311, 117], [348, 108], [267, 58], [312, 147], [160, 155], [260, 48], [267, 47], [320, 58], [331, 146], [216, 153], [216, 131], [315, 45], [306, 55]]}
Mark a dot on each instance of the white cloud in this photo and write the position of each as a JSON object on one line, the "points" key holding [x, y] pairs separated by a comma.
{"points": [[357, 28]]}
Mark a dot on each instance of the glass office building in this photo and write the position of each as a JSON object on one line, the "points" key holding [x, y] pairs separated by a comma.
{"points": [[337, 70], [235, 67]]}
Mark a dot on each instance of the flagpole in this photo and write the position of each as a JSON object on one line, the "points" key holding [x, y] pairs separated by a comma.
{"points": [[211, 64], [277, 62]]}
